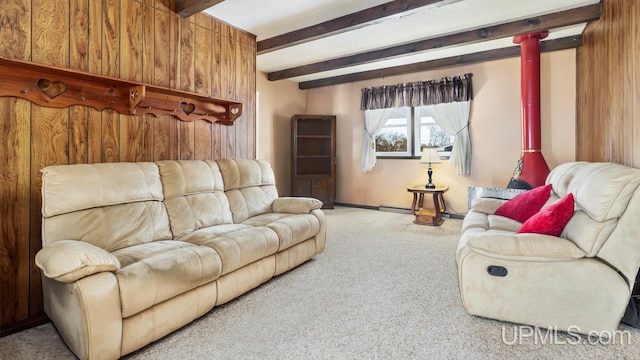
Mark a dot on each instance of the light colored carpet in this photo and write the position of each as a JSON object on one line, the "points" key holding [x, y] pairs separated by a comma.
{"points": [[384, 288]]}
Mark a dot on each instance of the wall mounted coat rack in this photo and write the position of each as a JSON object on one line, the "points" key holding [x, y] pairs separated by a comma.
{"points": [[57, 87]]}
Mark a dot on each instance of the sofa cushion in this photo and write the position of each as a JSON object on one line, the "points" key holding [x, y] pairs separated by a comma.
{"points": [[486, 205], [521, 247], [69, 188], [502, 223], [589, 235], [242, 173], [239, 247], [194, 195], [603, 190], [562, 175], [251, 201], [480, 220], [110, 227], [525, 205], [602, 193], [111, 206], [215, 231], [291, 229], [164, 274], [132, 254], [475, 220], [249, 186], [550, 220]]}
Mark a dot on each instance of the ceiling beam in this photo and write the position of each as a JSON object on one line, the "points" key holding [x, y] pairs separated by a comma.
{"points": [[342, 24], [533, 24], [186, 8], [496, 54]]}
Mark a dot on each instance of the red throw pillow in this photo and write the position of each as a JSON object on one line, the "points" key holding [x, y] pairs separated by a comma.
{"points": [[552, 219], [525, 205]]}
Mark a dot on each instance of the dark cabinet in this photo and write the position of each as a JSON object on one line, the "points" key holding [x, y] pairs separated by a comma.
{"points": [[313, 157], [316, 187]]}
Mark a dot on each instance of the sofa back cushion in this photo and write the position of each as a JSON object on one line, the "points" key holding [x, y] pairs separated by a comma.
{"points": [[562, 175], [249, 186], [602, 192], [194, 195], [111, 206]]}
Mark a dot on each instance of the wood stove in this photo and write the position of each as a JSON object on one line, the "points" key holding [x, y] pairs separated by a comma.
{"points": [[532, 169]]}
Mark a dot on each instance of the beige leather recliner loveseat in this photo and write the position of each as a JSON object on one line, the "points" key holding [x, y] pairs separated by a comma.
{"points": [[580, 281], [134, 251]]}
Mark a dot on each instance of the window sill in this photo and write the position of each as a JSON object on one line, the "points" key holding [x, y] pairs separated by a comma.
{"points": [[397, 157], [444, 155]]}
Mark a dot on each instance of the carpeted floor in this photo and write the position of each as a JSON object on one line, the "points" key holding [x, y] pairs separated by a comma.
{"points": [[384, 288]]}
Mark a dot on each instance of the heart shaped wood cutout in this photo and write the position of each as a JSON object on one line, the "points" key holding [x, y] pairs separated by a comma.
{"points": [[51, 88], [187, 107]]}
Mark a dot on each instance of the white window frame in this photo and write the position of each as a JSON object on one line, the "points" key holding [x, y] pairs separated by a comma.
{"points": [[399, 113], [443, 140], [413, 130]]}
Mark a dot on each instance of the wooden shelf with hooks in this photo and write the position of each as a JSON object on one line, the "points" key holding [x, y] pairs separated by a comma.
{"points": [[58, 87]]}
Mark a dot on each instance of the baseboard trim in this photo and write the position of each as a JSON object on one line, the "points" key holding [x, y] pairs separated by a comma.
{"points": [[23, 325], [454, 216], [378, 208], [395, 209], [368, 207]]}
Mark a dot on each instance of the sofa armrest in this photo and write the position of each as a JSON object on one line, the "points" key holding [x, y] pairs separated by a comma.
{"points": [[295, 205], [70, 260], [486, 205], [521, 247]]}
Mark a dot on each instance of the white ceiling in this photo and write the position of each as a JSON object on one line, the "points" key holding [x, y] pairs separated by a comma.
{"points": [[268, 18]]}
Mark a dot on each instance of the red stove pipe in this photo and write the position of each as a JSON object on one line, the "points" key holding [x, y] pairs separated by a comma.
{"points": [[534, 168]]}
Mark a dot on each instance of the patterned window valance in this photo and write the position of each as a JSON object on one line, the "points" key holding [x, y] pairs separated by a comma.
{"points": [[418, 93]]}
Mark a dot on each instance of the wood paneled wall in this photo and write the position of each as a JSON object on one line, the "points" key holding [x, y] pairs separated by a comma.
{"points": [[608, 86], [141, 40]]}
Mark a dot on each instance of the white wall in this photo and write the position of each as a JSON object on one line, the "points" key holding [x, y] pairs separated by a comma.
{"points": [[277, 102]]}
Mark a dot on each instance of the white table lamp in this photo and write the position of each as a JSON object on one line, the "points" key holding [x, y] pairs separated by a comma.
{"points": [[430, 156]]}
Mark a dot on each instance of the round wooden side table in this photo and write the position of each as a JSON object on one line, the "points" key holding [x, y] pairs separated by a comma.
{"points": [[428, 216]]}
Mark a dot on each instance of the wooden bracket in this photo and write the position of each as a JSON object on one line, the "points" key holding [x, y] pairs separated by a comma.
{"points": [[57, 87]]}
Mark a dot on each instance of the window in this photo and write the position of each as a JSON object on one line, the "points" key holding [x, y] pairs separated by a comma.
{"points": [[428, 133], [395, 137], [408, 130]]}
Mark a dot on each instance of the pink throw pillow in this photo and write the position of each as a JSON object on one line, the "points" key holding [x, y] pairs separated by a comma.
{"points": [[552, 219], [525, 205]]}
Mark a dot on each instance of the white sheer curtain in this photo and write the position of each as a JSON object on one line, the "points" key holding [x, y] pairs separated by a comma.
{"points": [[447, 101], [453, 118], [374, 121]]}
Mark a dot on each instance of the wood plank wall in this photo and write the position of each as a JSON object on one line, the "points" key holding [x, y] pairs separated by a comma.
{"points": [[141, 40], [608, 86]]}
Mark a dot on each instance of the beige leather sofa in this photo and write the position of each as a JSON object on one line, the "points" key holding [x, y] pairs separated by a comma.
{"points": [[134, 251], [579, 282]]}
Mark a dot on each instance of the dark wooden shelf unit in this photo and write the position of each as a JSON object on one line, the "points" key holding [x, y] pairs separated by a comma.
{"points": [[313, 159]]}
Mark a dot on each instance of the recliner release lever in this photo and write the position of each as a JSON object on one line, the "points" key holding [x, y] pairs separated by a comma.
{"points": [[495, 270]]}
